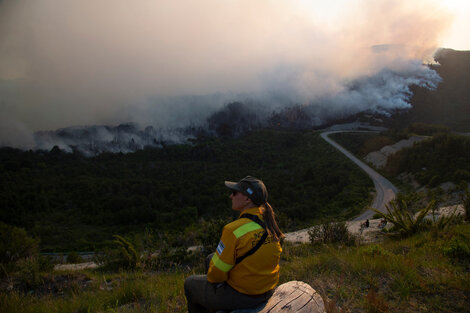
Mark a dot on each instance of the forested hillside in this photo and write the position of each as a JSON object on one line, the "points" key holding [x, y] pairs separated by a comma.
{"points": [[449, 104], [443, 158], [72, 202]]}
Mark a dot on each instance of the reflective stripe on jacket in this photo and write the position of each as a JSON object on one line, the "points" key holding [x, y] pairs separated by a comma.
{"points": [[257, 273]]}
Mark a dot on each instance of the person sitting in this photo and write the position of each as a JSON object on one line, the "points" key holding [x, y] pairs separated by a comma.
{"points": [[244, 269]]}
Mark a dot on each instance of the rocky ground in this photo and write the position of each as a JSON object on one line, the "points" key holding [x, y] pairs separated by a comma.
{"points": [[79, 266], [366, 234], [379, 158], [372, 233]]}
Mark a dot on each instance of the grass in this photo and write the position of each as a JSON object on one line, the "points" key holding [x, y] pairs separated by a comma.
{"points": [[427, 272], [125, 291], [408, 275]]}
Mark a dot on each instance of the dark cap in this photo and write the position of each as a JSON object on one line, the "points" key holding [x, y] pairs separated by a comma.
{"points": [[251, 187]]}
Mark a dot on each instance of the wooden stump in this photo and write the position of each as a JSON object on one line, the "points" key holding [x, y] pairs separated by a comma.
{"points": [[293, 296]]}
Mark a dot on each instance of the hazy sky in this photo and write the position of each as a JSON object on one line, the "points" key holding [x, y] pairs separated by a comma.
{"points": [[71, 62], [458, 36], [455, 35]]}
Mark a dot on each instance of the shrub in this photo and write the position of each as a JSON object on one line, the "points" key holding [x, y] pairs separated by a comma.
{"points": [[150, 252], [15, 244], [158, 252], [16, 249], [170, 258], [74, 258], [210, 233], [457, 249], [19, 257], [331, 232], [29, 272]]}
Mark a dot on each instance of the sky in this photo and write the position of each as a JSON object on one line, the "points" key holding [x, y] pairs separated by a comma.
{"points": [[458, 37], [454, 36], [166, 62]]}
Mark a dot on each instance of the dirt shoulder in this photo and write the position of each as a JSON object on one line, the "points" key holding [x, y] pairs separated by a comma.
{"points": [[373, 233]]}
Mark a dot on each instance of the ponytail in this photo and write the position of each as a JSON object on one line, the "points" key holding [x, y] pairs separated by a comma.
{"points": [[270, 221]]}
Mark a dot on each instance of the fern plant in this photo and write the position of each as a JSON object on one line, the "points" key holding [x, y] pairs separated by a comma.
{"points": [[403, 220], [128, 252]]}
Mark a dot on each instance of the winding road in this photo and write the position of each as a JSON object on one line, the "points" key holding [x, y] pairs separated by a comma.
{"points": [[385, 190]]}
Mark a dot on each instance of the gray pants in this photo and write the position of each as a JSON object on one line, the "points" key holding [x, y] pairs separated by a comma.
{"points": [[203, 296]]}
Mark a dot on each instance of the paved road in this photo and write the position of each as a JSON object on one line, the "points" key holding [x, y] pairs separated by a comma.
{"points": [[385, 190]]}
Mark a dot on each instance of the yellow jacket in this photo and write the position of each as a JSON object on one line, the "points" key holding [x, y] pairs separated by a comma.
{"points": [[257, 273]]}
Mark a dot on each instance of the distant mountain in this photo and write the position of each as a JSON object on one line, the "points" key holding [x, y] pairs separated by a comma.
{"points": [[449, 103]]}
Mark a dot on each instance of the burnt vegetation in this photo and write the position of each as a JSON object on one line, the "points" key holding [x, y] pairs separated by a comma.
{"points": [[233, 120]]}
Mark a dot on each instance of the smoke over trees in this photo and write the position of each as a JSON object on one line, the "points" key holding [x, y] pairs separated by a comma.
{"points": [[161, 63]]}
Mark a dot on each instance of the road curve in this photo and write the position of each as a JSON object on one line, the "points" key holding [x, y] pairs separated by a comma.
{"points": [[385, 190]]}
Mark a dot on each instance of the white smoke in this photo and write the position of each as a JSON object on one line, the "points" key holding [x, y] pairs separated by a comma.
{"points": [[170, 63], [15, 134], [384, 92]]}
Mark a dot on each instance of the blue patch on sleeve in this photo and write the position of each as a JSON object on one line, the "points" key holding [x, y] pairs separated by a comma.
{"points": [[220, 247]]}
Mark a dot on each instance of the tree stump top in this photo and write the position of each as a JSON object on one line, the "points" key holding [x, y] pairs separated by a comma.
{"points": [[293, 296]]}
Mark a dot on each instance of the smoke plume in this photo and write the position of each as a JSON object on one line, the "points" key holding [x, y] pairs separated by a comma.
{"points": [[169, 63]]}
